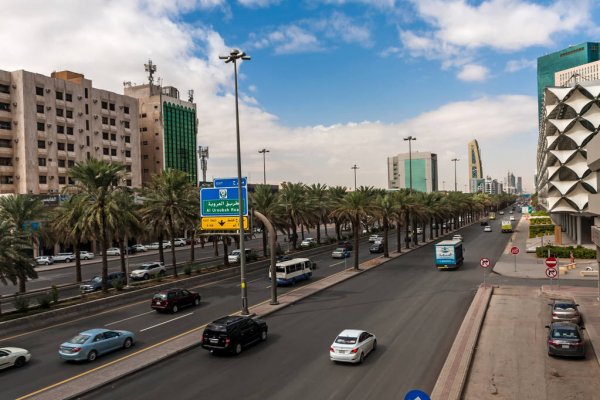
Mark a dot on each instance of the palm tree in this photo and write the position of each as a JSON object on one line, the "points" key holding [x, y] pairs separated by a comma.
{"points": [[15, 261], [385, 209], [18, 211], [170, 201], [336, 194], [293, 197], [265, 202], [96, 182], [355, 206], [129, 223], [67, 223], [319, 199], [401, 201]]}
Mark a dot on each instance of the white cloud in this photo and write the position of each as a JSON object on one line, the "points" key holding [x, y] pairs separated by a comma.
{"points": [[258, 3], [109, 49], [517, 65], [473, 73], [339, 25], [372, 3]]}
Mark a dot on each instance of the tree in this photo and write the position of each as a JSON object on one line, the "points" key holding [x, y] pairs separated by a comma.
{"points": [[293, 198], [15, 263], [385, 209], [319, 199], [169, 200], [129, 223], [336, 194], [96, 182], [265, 202]]}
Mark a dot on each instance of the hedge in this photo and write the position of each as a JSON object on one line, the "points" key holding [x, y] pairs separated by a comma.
{"points": [[540, 221], [540, 230], [565, 252], [540, 213]]}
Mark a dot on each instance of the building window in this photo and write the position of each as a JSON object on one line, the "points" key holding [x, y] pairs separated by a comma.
{"points": [[69, 113], [60, 129], [127, 139], [88, 155], [111, 106], [69, 130], [87, 109], [113, 122], [43, 179], [113, 152], [105, 120], [144, 129], [40, 126], [128, 182], [105, 151], [144, 115], [128, 168], [59, 95], [40, 108], [69, 97], [71, 181], [105, 105], [60, 146], [87, 140], [126, 124], [39, 91], [61, 180], [5, 125], [70, 147], [126, 110], [41, 144], [105, 135], [113, 137], [85, 92], [87, 124], [4, 88], [42, 162], [7, 143], [146, 171], [4, 107], [60, 112], [5, 162], [127, 153], [61, 162], [71, 163], [6, 180], [145, 142], [145, 157]]}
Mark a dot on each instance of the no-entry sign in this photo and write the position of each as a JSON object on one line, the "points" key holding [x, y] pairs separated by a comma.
{"points": [[551, 273], [484, 262], [551, 262], [514, 250]]}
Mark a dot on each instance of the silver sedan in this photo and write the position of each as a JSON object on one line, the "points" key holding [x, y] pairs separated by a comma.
{"points": [[352, 346]]}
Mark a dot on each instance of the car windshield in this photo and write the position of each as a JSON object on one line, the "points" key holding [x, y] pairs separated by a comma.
{"points": [[79, 339], [340, 249], [96, 279], [160, 296], [235, 253], [146, 267], [564, 307], [565, 334], [280, 269], [345, 340]]}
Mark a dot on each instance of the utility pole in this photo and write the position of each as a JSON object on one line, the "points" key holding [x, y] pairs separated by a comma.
{"points": [[410, 139], [263, 152], [354, 167], [455, 160]]}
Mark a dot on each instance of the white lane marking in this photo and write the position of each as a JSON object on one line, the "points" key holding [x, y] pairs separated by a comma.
{"points": [[338, 263], [166, 322], [125, 319], [257, 279], [268, 287]]}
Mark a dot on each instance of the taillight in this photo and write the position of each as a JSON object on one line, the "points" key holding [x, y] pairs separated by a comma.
{"points": [[227, 342], [331, 350], [354, 350], [76, 349], [552, 343], [554, 314]]}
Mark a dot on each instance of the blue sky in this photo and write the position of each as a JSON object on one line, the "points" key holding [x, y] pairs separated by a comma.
{"points": [[331, 83]]}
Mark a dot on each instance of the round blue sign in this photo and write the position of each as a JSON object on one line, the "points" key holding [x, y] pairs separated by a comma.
{"points": [[416, 394]]}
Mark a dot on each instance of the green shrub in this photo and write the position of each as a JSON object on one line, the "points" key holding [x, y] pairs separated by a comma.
{"points": [[540, 221], [540, 230], [187, 270], [565, 252], [21, 303], [117, 284], [54, 294], [44, 301], [539, 213]]}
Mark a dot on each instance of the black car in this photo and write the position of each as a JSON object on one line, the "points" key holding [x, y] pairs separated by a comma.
{"points": [[233, 333], [376, 248], [345, 244]]}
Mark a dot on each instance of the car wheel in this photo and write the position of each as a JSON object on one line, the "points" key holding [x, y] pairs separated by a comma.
{"points": [[174, 309], [127, 343], [237, 349], [146, 277], [362, 358], [161, 273], [19, 362], [263, 335], [374, 345], [92, 355], [47, 263], [196, 302]]}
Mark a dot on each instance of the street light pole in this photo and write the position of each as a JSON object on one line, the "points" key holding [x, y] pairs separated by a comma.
{"points": [[263, 152], [410, 139], [354, 167], [455, 160], [233, 56]]}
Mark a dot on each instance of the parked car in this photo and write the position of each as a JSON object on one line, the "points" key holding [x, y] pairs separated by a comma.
{"points": [[283, 257], [457, 237], [233, 333], [340, 252], [13, 357], [152, 246], [565, 311], [487, 228], [86, 255], [64, 257], [374, 238], [44, 260], [512, 218], [511, 211], [419, 231], [352, 346], [376, 247], [179, 242], [234, 256], [308, 242], [136, 248], [565, 339], [113, 251], [174, 299], [148, 270], [166, 244], [345, 244], [96, 282], [88, 345], [501, 213]]}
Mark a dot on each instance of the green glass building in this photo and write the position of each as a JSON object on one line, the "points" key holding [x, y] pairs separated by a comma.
{"points": [[570, 57], [180, 139]]}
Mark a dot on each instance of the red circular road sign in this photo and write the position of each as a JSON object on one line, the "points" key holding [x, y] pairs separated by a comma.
{"points": [[551, 273], [484, 262], [551, 262], [514, 250]]}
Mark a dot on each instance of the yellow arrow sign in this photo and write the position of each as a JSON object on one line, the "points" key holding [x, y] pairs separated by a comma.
{"points": [[222, 223]]}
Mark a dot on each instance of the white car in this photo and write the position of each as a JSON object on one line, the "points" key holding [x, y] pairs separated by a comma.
{"points": [[179, 242], [352, 346], [457, 237], [487, 229], [86, 255], [13, 356], [64, 257], [44, 260], [419, 231], [140, 248], [512, 218], [235, 255], [152, 246], [166, 244], [113, 251], [148, 270], [374, 238], [308, 242]]}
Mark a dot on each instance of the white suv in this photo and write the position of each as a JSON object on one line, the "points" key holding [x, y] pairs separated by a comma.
{"points": [[234, 256], [148, 270], [179, 242]]}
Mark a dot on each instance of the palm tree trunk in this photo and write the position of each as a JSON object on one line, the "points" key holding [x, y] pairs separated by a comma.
{"points": [[325, 227], [123, 251], [318, 232], [225, 251], [104, 244], [264, 240], [356, 223], [386, 229], [408, 233], [77, 262], [216, 245], [399, 236], [161, 252], [172, 237], [192, 248]]}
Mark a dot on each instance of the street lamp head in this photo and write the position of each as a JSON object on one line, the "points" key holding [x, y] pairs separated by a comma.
{"points": [[410, 138], [246, 58]]}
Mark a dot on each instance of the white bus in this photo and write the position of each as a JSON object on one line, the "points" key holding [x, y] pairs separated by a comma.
{"points": [[291, 271]]}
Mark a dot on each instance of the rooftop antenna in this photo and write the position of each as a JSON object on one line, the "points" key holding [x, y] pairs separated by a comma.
{"points": [[150, 69], [191, 95]]}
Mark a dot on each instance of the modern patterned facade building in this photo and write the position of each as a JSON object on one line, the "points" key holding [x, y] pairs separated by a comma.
{"points": [[475, 169], [565, 182], [168, 127], [424, 171], [47, 124], [550, 64], [580, 73]]}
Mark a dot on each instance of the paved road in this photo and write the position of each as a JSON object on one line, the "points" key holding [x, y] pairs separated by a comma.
{"points": [[218, 299], [414, 310]]}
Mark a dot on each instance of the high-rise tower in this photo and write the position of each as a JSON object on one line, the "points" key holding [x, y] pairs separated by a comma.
{"points": [[475, 169]]}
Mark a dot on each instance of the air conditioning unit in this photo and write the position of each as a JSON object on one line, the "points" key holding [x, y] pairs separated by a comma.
{"points": [[95, 116], [47, 90], [48, 107], [95, 101], [95, 132], [122, 151], [80, 130], [14, 103], [51, 177], [79, 97], [16, 158], [18, 176], [48, 125], [80, 113], [14, 86], [15, 122], [97, 147], [81, 146], [16, 140], [50, 142]]}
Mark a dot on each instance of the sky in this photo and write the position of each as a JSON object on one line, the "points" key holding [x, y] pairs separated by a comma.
{"points": [[331, 83]]}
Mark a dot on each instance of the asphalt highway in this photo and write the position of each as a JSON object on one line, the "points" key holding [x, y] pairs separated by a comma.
{"points": [[218, 299], [414, 310]]}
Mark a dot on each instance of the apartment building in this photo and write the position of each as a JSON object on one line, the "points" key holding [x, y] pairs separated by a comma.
{"points": [[48, 123]]}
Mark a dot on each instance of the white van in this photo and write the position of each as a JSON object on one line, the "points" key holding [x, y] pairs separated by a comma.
{"points": [[291, 271]]}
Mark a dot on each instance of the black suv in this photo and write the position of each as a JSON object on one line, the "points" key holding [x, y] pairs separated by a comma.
{"points": [[233, 333]]}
